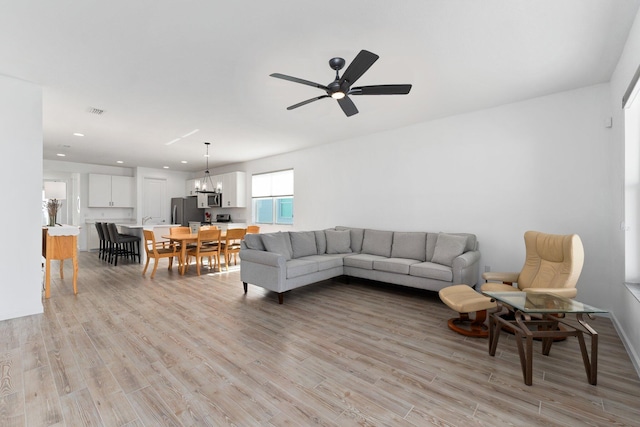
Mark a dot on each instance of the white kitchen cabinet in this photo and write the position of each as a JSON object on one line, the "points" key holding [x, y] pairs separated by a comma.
{"points": [[234, 190], [108, 191], [193, 185], [203, 200]]}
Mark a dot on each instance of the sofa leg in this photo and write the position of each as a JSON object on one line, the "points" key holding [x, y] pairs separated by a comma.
{"points": [[244, 285], [280, 298]]}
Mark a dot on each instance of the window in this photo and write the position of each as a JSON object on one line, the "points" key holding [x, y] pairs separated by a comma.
{"points": [[272, 197]]}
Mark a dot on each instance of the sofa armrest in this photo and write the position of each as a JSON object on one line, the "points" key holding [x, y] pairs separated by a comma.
{"points": [[466, 268], [263, 257], [496, 276]]}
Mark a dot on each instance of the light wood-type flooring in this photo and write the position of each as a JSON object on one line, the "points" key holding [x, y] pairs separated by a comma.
{"points": [[197, 351]]}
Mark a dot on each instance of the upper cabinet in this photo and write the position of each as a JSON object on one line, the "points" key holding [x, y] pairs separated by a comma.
{"points": [[193, 185], [234, 190], [108, 191]]}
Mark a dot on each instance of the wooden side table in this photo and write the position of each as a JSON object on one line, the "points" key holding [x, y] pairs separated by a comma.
{"points": [[60, 243]]}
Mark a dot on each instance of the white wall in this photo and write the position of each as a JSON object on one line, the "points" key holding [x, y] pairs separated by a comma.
{"points": [[21, 249], [625, 307]]}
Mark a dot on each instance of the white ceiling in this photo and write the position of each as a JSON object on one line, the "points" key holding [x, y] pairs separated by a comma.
{"points": [[162, 68]]}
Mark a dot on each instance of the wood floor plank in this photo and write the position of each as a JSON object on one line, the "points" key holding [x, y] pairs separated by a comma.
{"points": [[196, 350]]}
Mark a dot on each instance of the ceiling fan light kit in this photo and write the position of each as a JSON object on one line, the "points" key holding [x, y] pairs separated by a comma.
{"points": [[340, 88]]}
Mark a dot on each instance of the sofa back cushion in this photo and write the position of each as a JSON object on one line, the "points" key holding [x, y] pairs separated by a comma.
{"points": [[254, 241], [357, 235], [377, 242], [338, 241], [278, 243], [303, 243], [321, 242], [411, 245], [432, 238], [448, 246]]}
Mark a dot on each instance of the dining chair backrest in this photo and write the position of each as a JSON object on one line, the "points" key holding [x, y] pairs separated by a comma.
{"points": [[150, 244], [253, 229], [235, 234], [208, 227], [179, 230], [208, 236]]}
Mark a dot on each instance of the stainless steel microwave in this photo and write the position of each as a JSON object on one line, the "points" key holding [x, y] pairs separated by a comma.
{"points": [[214, 200]]}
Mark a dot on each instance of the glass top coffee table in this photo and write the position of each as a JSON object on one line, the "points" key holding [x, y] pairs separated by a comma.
{"points": [[539, 316]]}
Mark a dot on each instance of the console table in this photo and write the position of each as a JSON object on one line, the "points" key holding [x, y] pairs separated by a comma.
{"points": [[548, 310], [60, 243]]}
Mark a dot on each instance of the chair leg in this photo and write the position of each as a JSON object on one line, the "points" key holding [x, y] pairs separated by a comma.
{"points": [[155, 267], [146, 265]]}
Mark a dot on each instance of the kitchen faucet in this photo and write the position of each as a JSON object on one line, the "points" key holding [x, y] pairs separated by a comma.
{"points": [[145, 219]]}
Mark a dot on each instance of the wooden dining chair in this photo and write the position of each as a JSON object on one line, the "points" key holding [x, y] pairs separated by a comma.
{"points": [[253, 229], [156, 251], [208, 245], [231, 245]]}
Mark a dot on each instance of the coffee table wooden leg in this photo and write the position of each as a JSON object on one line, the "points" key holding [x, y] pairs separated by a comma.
{"points": [[590, 366]]}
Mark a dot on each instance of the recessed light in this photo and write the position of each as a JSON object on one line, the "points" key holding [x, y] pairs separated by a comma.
{"points": [[78, 134], [165, 167], [119, 161], [184, 161], [61, 155]]}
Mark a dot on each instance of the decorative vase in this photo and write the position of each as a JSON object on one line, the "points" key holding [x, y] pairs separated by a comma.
{"points": [[52, 219]]}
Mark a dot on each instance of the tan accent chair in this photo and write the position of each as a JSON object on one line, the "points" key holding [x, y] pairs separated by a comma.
{"points": [[553, 265], [156, 251], [208, 245], [231, 245]]}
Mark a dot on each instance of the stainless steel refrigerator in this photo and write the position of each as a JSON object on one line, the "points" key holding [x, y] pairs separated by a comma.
{"points": [[185, 209]]}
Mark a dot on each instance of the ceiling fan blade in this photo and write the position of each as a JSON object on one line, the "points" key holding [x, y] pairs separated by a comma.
{"points": [[360, 64], [381, 90], [297, 80], [300, 104], [348, 106]]}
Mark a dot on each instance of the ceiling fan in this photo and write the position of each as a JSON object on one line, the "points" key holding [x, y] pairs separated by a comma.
{"points": [[340, 88]]}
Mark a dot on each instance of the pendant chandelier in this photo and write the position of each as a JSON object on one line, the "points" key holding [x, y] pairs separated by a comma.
{"points": [[206, 184]]}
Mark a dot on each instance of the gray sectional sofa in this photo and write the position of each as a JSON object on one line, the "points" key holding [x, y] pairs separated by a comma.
{"points": [[283, 261]]}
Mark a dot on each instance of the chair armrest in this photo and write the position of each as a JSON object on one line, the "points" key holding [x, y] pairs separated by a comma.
{"points": [[495, 276], [263, 257], [563, 292]]}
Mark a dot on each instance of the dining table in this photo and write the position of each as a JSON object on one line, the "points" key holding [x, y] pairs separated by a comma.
{"points": [[183, 240]]}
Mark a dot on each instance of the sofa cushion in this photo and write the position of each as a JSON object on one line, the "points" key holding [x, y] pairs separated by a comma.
{"points": [[325, 262], [276, 243], [254, 241], [377, 242], [338, 241], [362, 260], [394, 265], [321, 242], [431, 270], [357, 234], [298, 267], [448, 246], [409, 245], [303, 243]]}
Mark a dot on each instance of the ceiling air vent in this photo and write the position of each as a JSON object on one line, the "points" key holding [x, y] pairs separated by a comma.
{"points": [[95, 111]]}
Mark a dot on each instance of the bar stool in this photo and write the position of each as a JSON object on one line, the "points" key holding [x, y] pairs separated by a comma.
{"points": [[123, 244]]}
